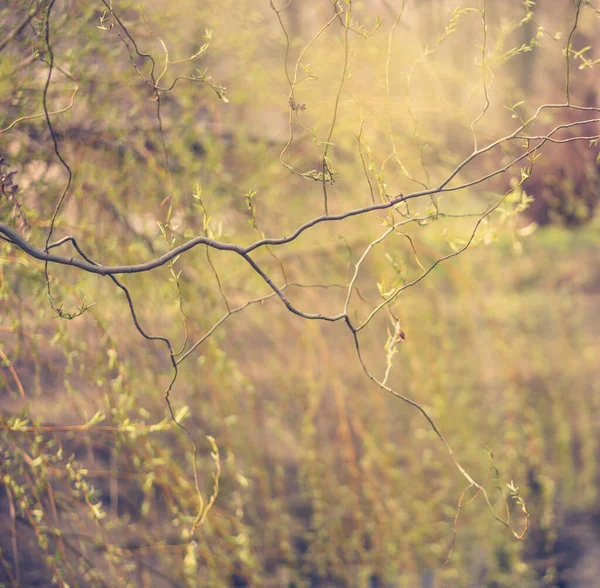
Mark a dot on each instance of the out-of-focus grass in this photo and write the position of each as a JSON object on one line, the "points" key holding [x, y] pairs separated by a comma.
{"points": [[324, 477]]}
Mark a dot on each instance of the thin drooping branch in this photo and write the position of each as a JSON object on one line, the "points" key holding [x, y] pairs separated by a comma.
{"points": [[231, 311], [147, 336], [382, 384]]}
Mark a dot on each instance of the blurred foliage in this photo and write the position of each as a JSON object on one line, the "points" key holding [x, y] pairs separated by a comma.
{"points": [[323, 480]]}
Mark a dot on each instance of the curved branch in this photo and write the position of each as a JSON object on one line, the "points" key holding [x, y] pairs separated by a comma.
{"points": [[102, 270], [44, 255]]}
